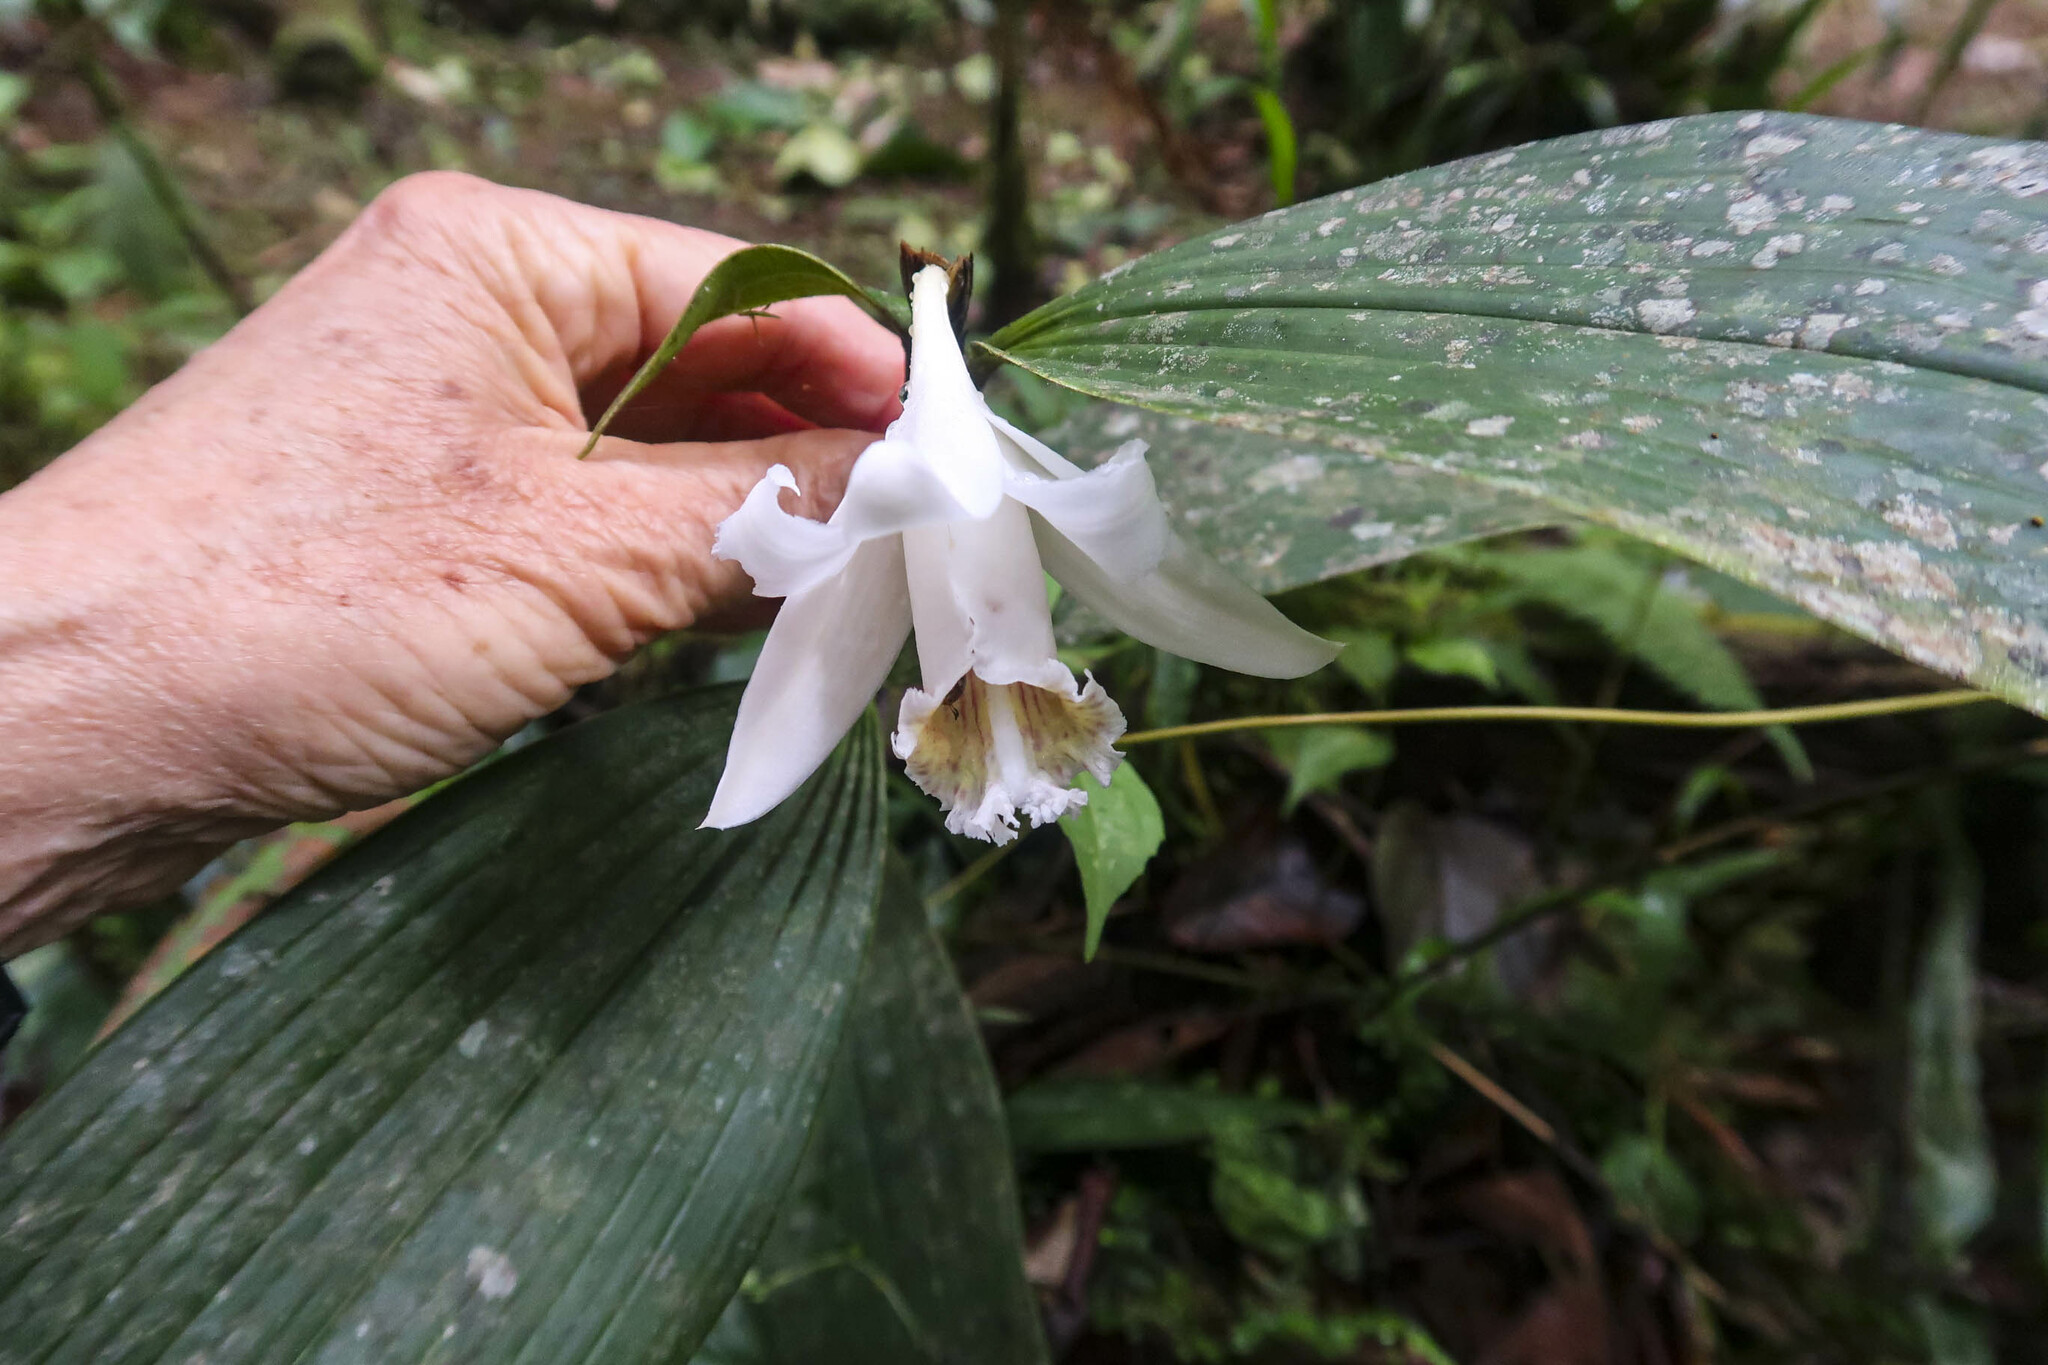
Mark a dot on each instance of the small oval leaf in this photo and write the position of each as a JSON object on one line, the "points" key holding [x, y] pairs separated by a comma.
{"points": [[747, 281]]}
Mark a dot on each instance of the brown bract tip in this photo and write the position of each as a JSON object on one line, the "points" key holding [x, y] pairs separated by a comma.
{"points": [[959, 281]]}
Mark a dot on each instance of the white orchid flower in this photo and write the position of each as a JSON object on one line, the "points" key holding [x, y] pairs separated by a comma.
{"points": [[948, 525]]}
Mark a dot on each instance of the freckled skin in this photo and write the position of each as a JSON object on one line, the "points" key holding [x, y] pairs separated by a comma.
{"points": [[349, 548]]}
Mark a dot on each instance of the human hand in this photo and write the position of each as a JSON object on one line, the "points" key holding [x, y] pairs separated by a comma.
{"points": [[348, 549]]}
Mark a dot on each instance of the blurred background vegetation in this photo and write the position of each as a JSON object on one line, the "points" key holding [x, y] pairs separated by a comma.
{"points": [[1490, 1044]]}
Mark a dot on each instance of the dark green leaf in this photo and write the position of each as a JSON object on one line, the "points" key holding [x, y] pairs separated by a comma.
{"points": [[64, 1001], [747, 281], [1453, 657], [1954, 1178], [752, 107], [1318, 757], [1957, 1333], [1098, 1115], [686, 137], [1627, 602], [1369, 659], [1260, 1195], [1114, 836], [14, 92], [520, 1078], [1281, 151], [1652, 1187], [901, 1240], [1805, 351]]}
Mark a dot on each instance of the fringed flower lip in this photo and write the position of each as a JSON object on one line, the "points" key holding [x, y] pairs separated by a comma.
{"points": [[948, 526]]}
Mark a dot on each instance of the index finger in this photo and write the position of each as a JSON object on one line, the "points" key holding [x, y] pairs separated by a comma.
{"points": [[813, 357]]}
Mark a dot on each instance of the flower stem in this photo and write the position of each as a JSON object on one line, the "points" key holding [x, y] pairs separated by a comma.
{"points": [[1679, 720]]}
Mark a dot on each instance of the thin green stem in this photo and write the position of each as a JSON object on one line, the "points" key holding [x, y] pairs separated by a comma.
{"points": [[162, 184], [969, 875], [1586, 754], [1676, 720], [1959, 39]]}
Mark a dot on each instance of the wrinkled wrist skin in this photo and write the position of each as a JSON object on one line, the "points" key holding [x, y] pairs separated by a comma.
{"points": [[349, 548], [104, 788]]}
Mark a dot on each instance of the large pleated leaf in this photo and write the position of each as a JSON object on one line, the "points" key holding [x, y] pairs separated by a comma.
{"points": [[1809, 352], [523, 1077], [900, 1242]]}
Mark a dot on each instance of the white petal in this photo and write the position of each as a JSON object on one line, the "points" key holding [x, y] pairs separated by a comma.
{"points": [[990, 753], [977, 596], [891, 488], [784, 553], [1190, 606], [1047, 459], [944, 418], [830, 648], [1110, 513]]}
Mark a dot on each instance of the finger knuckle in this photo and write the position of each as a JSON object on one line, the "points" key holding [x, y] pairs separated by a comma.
{"points": [[422, 203]]}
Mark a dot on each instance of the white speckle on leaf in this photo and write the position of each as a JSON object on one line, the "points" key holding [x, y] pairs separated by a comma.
{"points": [[1328, 226], [1945, 264], [472, 1040], [1489, 426], [1837, 203], [2035, 318], [1869, 287], [2002, 535], [1896, 568], [237, 962], [1748, 212], [1926, 524], [1665, 315], [1820, 329], [1226, 241], [1773, 144], [1289, 475], [1713, 246], [492, 1272], [1789, 244], [1641, 422]]}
